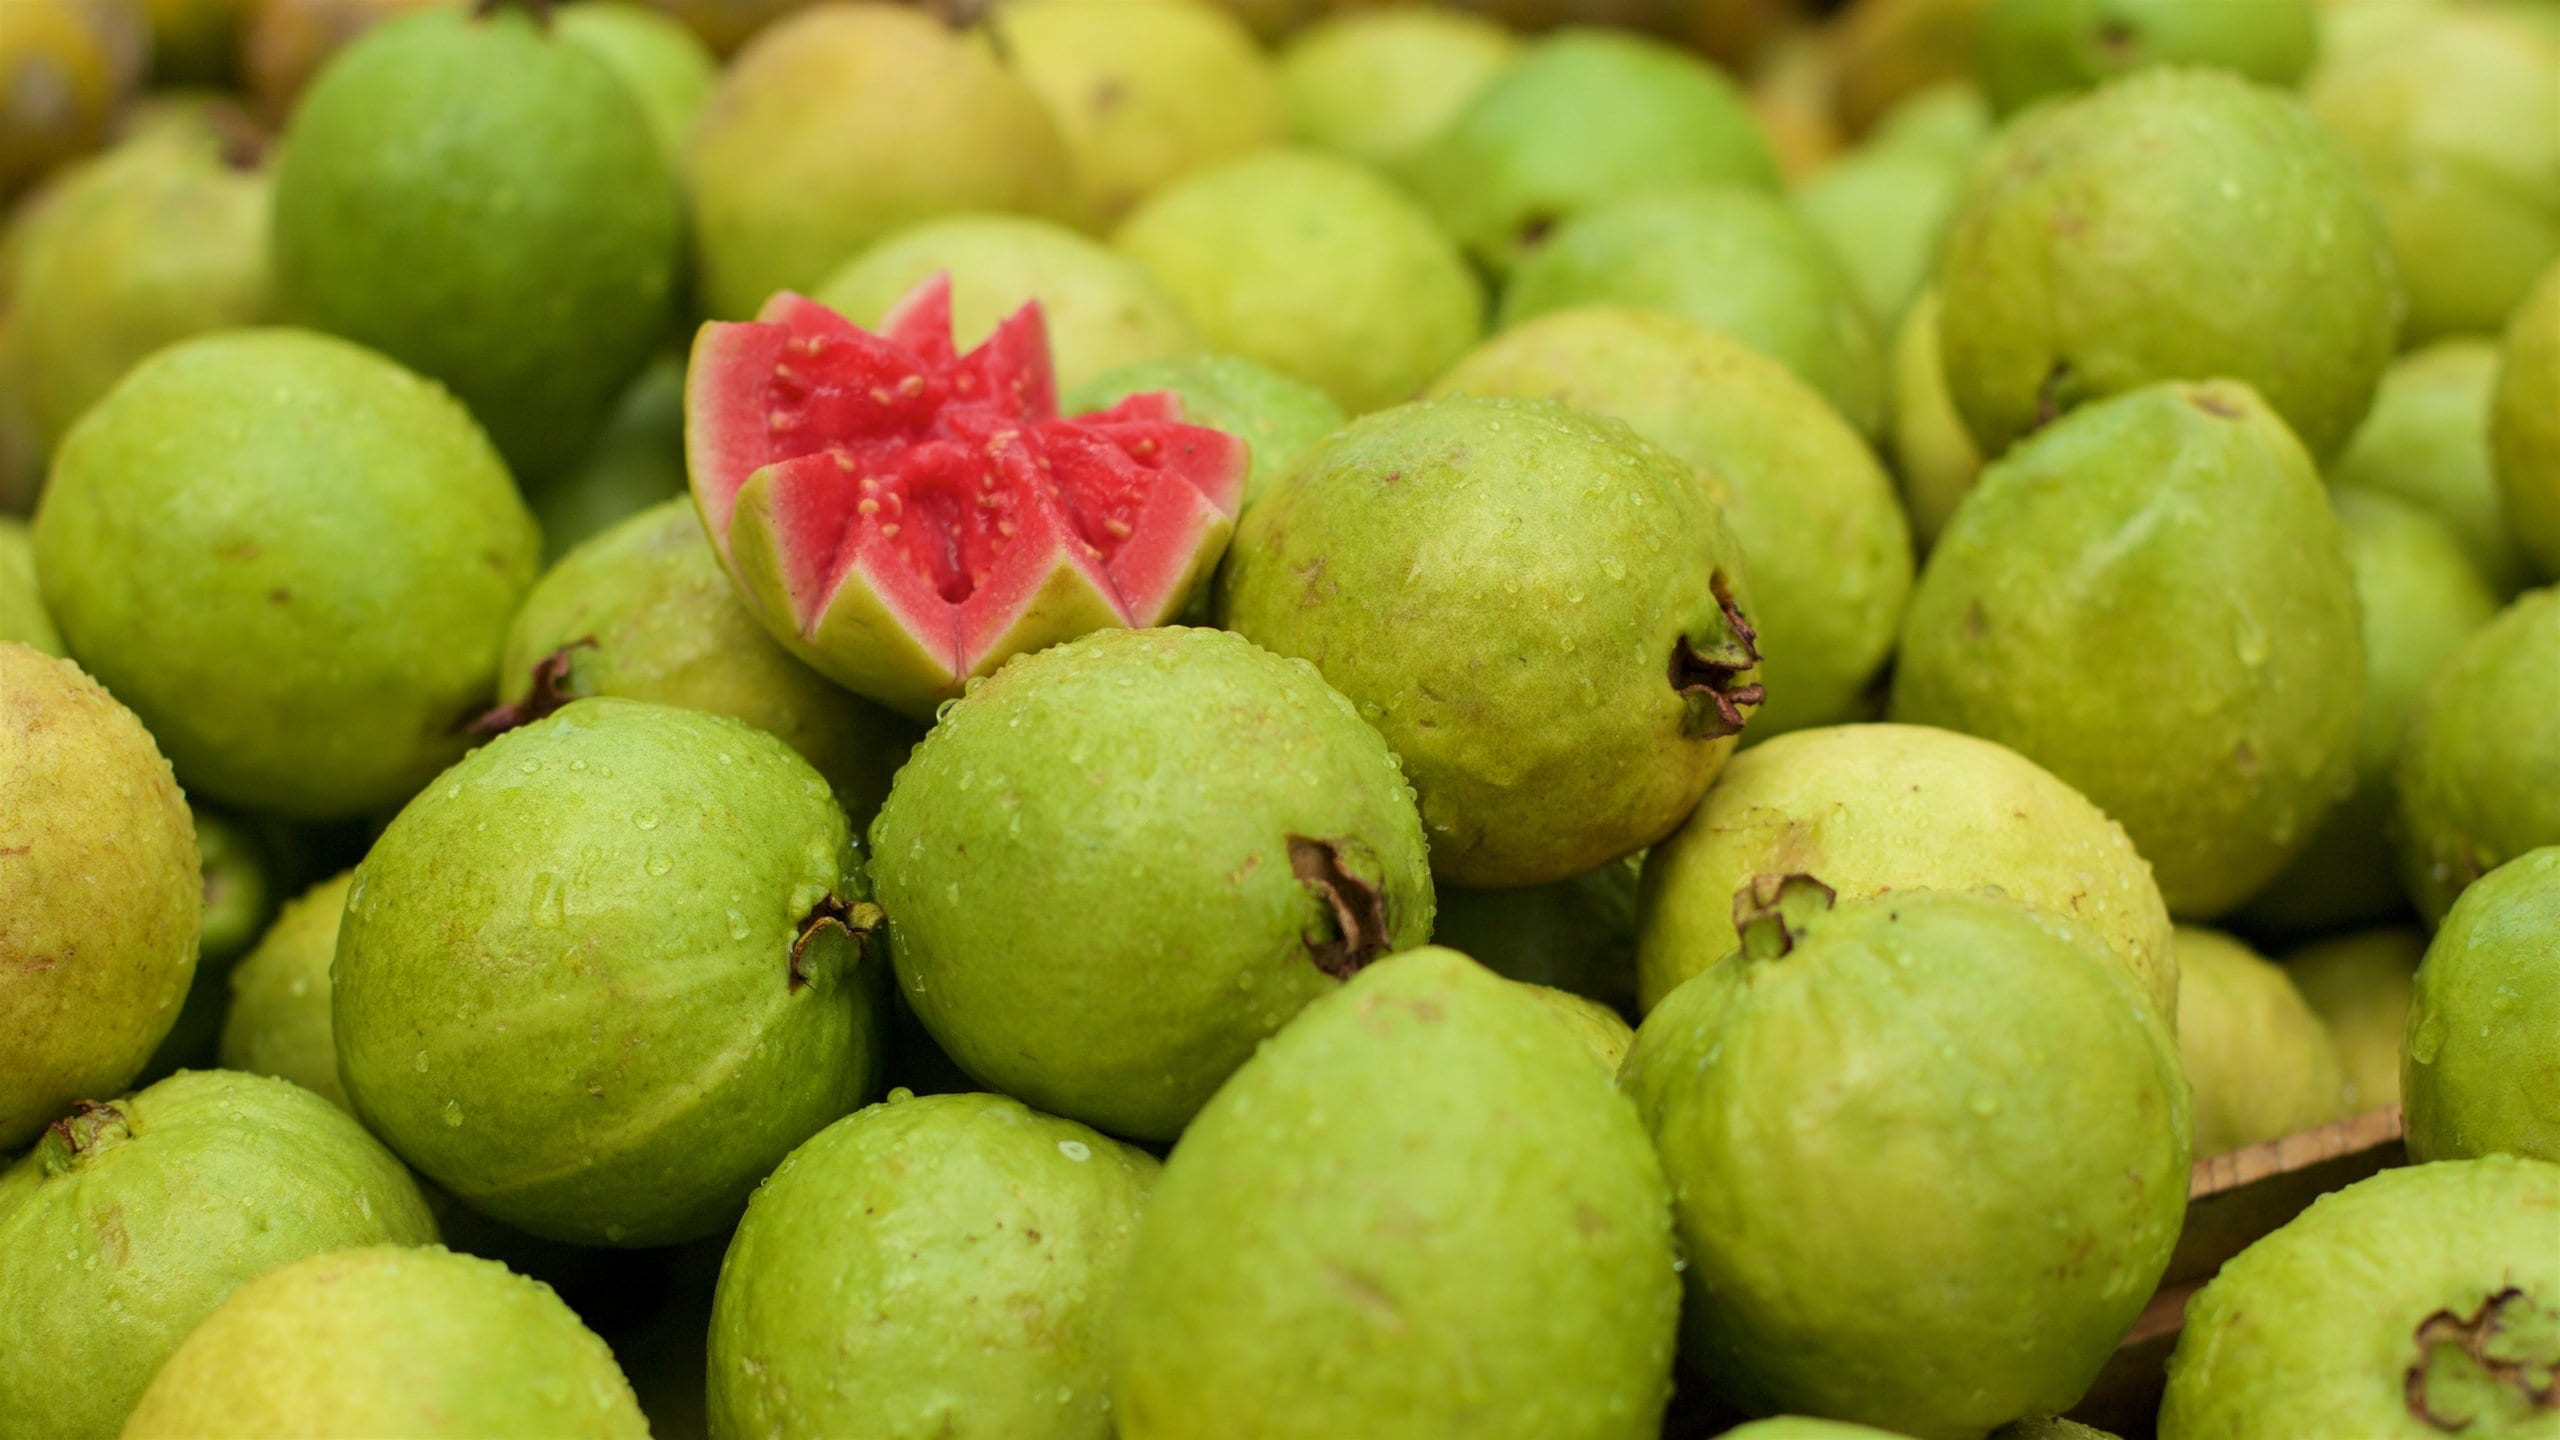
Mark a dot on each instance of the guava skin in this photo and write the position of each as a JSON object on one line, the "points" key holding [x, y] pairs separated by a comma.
{"points": [[2259, 1061], [1601, 1029], [23, 620], [2479, 778], [1853, 1067], [2102, 603], [1279, 417], [391, 1340], [1424, 1197], [1934, 456], [278, 1020], [2524, 423], [2426, 441], [1544, 614], [2478, 1077], [936, 1268], [2030, 49], [1577, 935], [636, 462], [1228, 837], [496, 936], [132, 1220], [236, 907], [100, 895], [2093, 255], [309, 645], [2416, 1304], [1804, 1427], [1883, 211], [1380, 85], [2360, 986], [667, 69]]}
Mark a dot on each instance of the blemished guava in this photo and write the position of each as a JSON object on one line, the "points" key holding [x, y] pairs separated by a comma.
{"points": [[1420, 1210], [2426, 441], [391, 1340], [1276, 416], [2102, 603], [1934, 456], [943, 1266], [1577, 934], [1545, 614], [644, 612], [100, 899], [2028, 50], [2359, 985], [1729, 257], [2093, 254], [2416, 1304], [1229, 837], [1379, 85], [1876, 809], [1315, 266], [664, 65], [2524, 423], [278, 1020], [1781, 461], [1582, 119], [23, 620], [496, 935], [839, 124], [133, 1219], [636, 462], [1893, 1208], [2260, 1062], [2479, 778], [334, 550], [1883, 210], [2477, 1077], [1102, 310]]}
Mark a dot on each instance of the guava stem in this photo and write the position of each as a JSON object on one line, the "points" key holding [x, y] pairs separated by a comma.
{"points": [[1358, 909], [551, 690], [1770, 911]]}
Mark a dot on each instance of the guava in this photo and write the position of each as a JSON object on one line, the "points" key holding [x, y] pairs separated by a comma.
{"points": [[2031, 49], [1880, 809], [1928, 1156], [278, 1020], [497, 935], [1603, 1031], [1101, 308], [195, 42], [66, 68], [843, 123], [2479, 776], [2049, 1427], [2426, 441], [23, 620], [2418, 1303], [1951, 120], [100, 895], [1544, 614], [2260, 1062], [943, 1266], [2359, 986], [637, 461], [1781, 461], [1348, 1241], [1231, 839], [1276, 416], [1934, 456], [2095, 253], [903, 516], [2103, 603], [1379, 85], [1882, 210], [666, 66], [1728, 257], [1583, 119], [334, 550], [2471, 198], [2524, 423], [2477, 1077], [1790, 97], [725, 25], [133, 1219], [1804, 1427], [1314, 266], [236, 907], [1577, 934], [282, 47]]}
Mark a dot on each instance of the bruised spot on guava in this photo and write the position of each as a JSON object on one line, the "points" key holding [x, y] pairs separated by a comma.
{"points": [[853, 920], [1770, 910], [2217, 404], [1709, 674], [551, 690], [1535, 228], [2501, 1364], [1358, 908]]}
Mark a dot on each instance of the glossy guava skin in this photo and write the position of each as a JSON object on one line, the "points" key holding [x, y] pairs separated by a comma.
{"points": [[1380, 85], [566, 985], [2479, 778], [2360, 986], [1420, 1210], [278, 1020], [2524, 423], [22, 614], [2259, 1060], [1092, 891], [1278, 416], [1891, 1211], [415, 1341], [1883, 209], [2030, 49], [2477, 1075], [2427, 441], [127, 1225], [934, 1268], [1934, 456], [2314, 1329], [669, 71], [1804, 1427]]}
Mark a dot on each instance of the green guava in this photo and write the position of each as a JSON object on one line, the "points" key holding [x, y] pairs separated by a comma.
{"points": [[1583, 119], [1728, 257], [283, 47], [2049, 1427], [1934, 456], [1951, 120], [1101, 309], [2420, 1303], [666, 68], [1602, 1030], [1543, 613], [2479, 777], [2103, 603], [67, 67], [2359, 986], [1577, 934], [236, 906], [1885, 52], [23, 620], [842, 123], [333, 549], [2260, 1062], [2028, 50], [644, 612], [1781, 461], [1230, 840], [1878, 809], [1420, 1210], [943, 1266], [2426, 441], [498, 935], [278, 1020], [2477, 1077], [100, 895], [2524, 423], [1928, 1156], [1883, 210], [131, 1221], [637, 461], [2100, 248], [1380, 85], [1277, 416], [1804, 1427], [1314, 266]]}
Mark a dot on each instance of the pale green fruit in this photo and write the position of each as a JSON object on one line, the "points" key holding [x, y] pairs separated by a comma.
{"points": [[1804, 1427], [1950, 120], [1875, 809], [2261, 1063], [941, 1268], [278, 1021], [1602, 1030], [1277, 416], [1933, 454], [391, 1340], [2426, 441], [636, 462], [2030, 49], [2479, 778], [1577, 935], [1379, 85], [669, 71], [2359, 987], [2409, 1306], [1420, 1211], [23, 619], [1928, 1154], [2524, 423], [2477, 1077], [1883, 210], [236, 906], [2049, 1427], [132, 1220]]}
